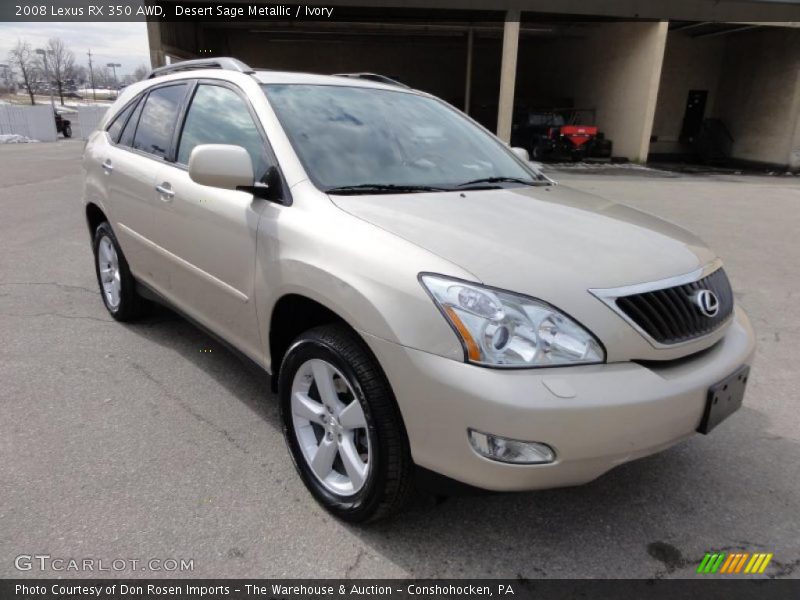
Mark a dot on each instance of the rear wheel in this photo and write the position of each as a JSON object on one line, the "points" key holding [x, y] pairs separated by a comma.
{"points": [[342, 425], [117, 285], [67, 131]]}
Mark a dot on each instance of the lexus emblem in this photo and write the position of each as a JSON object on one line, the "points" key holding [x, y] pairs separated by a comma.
{"points": [[707, 302]]}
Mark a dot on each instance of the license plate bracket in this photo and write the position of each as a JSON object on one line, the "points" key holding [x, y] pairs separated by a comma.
{"points": [[724, 398]]}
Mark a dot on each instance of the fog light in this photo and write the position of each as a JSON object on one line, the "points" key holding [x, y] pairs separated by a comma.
{"points": [[505, 450]]}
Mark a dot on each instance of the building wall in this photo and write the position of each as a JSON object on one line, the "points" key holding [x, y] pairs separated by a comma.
{"points": [[759, 94], [437, 65], [487, 54], [689, 64]]}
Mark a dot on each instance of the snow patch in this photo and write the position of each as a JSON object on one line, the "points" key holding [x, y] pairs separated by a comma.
{"points": [[13, 138]]}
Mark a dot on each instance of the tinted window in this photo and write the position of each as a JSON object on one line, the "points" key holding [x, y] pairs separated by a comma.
{"points": [[119, 121], [218, 115], [545, 119], [126, 139], [356, 136], [157, 123]]}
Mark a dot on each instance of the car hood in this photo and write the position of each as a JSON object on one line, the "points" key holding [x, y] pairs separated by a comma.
{"points": [[542, 241]]}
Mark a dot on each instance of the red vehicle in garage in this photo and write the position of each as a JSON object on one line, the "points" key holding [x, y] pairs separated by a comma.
{"points": [[559, 134]]}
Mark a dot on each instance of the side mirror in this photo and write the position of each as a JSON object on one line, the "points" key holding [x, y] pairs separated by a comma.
{"points": [[222, 166], [521, 153]]}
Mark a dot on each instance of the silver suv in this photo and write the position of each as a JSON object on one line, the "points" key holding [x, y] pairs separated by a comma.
{"points": [[431, 308]]}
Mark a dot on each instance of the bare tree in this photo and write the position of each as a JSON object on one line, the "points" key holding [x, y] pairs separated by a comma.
{"points": [[141, 72], [7, 80], [80, 74], [61, 62], [23, 59], [102, 76]]}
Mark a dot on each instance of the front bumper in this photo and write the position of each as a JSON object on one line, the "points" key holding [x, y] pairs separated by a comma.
{"points": [[594, 416]]}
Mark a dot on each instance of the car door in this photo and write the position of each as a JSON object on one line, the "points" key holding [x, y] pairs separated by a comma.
{"points": [[210, 233], [131, 166], [128, 180]]}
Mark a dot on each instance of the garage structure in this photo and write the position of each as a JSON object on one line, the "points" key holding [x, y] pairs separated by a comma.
{"points": [[631, 63], [730, 91]]}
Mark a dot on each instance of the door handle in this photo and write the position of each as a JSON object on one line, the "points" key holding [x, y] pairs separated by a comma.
{"points": [[107, 166], [165, 190]]}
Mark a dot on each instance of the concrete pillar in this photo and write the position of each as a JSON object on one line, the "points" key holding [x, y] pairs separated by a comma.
{"points": [[508, 75], [616, 71], [157, 56], [468, 82], [656, 46], [793, 157]]}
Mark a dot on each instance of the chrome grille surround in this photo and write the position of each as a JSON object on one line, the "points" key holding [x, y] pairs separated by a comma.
{"points": [[668, 301]]}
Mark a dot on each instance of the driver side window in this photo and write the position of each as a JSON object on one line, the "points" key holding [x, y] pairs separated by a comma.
{"points": [[218, 115]]}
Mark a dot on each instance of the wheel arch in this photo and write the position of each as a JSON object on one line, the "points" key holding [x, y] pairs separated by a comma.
{"points": [[292, 314], [94, 216]]}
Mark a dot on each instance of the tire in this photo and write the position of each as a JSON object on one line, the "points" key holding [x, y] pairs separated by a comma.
{"points": [[67, 131], [376, 481], [125, 304]]}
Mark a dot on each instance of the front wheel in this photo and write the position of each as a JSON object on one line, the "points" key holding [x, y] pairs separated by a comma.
{"points": [[117, 285], [342, 425], [67, 131]]}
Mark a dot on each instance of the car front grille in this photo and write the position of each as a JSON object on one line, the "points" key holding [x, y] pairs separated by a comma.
{"points": [[671, 315]]}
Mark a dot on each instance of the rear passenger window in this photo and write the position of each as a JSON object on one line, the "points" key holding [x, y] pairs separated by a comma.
{"points": [[126, 139], [157, 123], [218, 115], [119, 121]]}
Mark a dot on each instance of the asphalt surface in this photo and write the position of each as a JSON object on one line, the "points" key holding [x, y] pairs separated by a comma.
{"points": [[135, 442]]}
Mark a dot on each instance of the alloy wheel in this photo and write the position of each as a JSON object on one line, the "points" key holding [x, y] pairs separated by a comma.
{"points": [[110, 276], [330, 427]]}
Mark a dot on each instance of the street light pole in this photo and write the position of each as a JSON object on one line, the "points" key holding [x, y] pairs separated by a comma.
{"points": [[91, 76], [47, 77], [114, 68]]}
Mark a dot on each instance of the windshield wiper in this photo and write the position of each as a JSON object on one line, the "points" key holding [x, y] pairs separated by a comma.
{"points": [[383, 188], [501, 180]]}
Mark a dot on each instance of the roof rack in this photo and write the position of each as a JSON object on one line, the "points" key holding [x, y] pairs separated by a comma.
{"points": [[222, 62], [373, 77]]}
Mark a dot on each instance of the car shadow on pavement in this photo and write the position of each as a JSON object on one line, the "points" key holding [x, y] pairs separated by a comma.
{"points": [[244, 380]]}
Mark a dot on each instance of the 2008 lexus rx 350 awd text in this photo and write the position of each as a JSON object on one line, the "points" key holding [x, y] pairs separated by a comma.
{"points": [[429, 306]]}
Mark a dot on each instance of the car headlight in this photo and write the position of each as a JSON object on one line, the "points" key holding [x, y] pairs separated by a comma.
{"points": [[502, 329]]}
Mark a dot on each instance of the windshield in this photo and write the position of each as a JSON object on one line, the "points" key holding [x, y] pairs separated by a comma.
{"points": [[366, 140]]}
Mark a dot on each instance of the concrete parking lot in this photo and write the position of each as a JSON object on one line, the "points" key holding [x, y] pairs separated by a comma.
{"points": [[136, 442]]}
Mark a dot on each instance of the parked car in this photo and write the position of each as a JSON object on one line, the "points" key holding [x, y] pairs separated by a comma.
{"points": [[432, 310], [561, 135], [63, 126]]}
